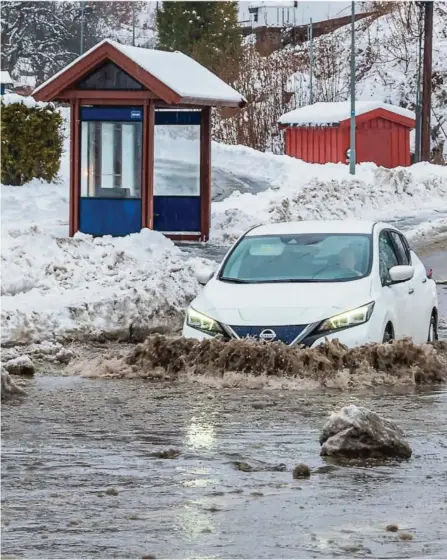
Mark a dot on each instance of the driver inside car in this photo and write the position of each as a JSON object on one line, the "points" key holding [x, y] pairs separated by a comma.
{"points": [[347, 261]]}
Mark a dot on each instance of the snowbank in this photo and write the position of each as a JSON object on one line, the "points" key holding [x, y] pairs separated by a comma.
{"points": [[81, 287], [301, 191]]}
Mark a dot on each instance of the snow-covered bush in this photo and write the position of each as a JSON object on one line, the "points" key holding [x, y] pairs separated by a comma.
{"points": [[31, 140]]}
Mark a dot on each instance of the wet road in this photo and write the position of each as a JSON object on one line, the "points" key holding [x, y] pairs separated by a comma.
{"points": [[80, 479]]}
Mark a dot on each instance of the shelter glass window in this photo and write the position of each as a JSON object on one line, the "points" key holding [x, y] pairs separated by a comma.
{"points": [[177, 153], [111, 159]]}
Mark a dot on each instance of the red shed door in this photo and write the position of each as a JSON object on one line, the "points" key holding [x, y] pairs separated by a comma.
{"points": [[375, 145]]}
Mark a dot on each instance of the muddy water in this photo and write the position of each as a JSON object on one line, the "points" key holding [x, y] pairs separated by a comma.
{"points": [[80, 479]]}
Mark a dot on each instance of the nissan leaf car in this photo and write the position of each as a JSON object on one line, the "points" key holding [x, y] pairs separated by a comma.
{"points": [[310, 281]]}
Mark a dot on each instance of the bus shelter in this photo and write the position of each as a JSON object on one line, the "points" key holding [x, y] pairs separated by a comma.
{"points": [[140, 140]]}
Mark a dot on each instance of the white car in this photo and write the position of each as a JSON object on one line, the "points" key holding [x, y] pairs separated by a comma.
{"points": [[310, 281]]}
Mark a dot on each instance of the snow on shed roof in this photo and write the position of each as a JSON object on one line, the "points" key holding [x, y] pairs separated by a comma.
{"points": [[182, 74], [320, 114], [5, 78]]}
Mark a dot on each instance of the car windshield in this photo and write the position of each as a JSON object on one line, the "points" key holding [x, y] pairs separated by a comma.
{"points": [[306, 257]]}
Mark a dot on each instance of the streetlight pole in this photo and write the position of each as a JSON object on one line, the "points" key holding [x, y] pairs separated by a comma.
{"points": [[311, 61], [133, 23], [426, 80], [82, 28], [352, 142]]}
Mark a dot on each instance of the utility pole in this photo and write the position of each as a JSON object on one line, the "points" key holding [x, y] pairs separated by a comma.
{"points": [[426, 80], [311, 60], [352, 143], [417, 148], [133, 23]]}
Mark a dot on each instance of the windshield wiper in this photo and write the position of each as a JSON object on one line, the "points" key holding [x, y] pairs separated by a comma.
{"points": [[233, 280], [269, 281]]}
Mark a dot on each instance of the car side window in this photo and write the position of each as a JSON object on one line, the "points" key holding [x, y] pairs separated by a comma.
{"points": [[387, 257], [401, 251], [407, 247]]}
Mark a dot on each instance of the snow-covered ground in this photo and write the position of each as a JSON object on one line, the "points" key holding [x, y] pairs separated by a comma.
{"points": [[56, 287]]}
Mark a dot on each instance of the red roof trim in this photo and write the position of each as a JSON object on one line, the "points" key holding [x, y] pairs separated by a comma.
{"points": [[380, 113], [68, 78], [56, 89]]}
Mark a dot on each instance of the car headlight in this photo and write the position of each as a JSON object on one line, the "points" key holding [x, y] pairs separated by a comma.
{"points": [[202, 322], [347, 319]]}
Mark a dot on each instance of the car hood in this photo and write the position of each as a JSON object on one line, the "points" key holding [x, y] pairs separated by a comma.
{"points": [[280, 303]]}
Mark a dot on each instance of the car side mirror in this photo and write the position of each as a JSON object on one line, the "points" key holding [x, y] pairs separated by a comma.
{"points": [[204, 276], [401, 273]]}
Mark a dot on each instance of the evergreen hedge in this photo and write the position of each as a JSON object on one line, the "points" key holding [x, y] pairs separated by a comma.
{"points": [[31, 141]]}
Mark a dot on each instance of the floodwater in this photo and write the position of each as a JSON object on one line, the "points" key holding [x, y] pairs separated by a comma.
{"points": [[80, 478]]}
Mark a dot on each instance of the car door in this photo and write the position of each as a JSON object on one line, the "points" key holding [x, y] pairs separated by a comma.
{"points": [[397, 296], [414, 309], [423, 292]]}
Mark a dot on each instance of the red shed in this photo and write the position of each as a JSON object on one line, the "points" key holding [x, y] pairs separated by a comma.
{"points": [[319, 133]]}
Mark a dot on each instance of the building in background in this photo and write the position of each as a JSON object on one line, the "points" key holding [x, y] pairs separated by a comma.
{"points": [[258, 14], [6, 82], [278, 24]]}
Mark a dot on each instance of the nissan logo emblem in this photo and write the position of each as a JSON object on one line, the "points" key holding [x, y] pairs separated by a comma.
{"points": [[267, 335]]}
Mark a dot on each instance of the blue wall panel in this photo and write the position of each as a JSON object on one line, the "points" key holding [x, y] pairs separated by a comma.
{"points": [[110, 216], [130, 114], [177, 117], [177, 213]]}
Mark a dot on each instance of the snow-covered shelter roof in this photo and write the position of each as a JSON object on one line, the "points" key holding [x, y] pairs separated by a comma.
{"points": [[173, 76], [5, 78], [336, 113]]}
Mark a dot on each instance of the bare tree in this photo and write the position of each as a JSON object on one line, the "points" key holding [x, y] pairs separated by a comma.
{"points": [[266, 83]]}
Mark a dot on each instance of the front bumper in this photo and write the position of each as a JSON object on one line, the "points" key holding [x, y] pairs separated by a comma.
{"points": [[351, 337]]}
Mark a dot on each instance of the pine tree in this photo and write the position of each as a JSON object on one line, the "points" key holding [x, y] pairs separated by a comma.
{"points": [[206, 31]]}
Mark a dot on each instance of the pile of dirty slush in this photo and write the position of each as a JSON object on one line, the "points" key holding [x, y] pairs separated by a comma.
{"points": [[329, 365]]}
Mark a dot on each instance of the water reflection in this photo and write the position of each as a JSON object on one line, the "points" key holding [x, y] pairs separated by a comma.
{"points": [[194, 522], [200, 434]]}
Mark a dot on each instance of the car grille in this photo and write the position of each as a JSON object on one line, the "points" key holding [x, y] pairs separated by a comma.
{"points": [[286, 334]]}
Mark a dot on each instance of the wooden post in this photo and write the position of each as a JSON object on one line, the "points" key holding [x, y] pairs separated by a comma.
{"points": [[72, 159], [150, 166], [205, 173], [144, 166], [75, 146]]}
